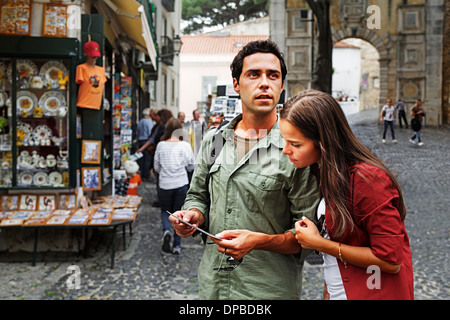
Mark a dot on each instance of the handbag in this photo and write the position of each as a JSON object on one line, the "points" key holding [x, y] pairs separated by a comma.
{"points": [[416, 125], [151, 149]]}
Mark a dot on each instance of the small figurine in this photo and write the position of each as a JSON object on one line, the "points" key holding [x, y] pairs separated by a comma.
{"points": [[62, 81], [37, 112], [134, 179]]}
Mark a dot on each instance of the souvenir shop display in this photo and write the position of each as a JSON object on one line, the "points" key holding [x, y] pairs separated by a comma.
{"points": [[122, 119], [15, 19], [223, 108], [38, 154], [55, 20], [62, 210], [91, 78]]}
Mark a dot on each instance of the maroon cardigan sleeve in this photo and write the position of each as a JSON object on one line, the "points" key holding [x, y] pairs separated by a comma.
{"points": [[374, 208]]}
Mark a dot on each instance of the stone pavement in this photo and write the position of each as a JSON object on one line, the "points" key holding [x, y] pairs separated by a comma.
{"points": [[143, 272]]}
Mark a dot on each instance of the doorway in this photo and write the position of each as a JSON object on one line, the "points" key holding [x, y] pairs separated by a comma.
{"points": [[356, 75]]}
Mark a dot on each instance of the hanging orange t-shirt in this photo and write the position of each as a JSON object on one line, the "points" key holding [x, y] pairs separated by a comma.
{"points": [[133, 184], [91, 81]]}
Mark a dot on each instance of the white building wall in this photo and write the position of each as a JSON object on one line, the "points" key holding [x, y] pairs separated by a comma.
{"points": [[193, 69], [347, 71], [168, 76]]}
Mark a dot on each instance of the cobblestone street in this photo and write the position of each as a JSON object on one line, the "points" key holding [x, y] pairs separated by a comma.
{"points": [[142, 271]]}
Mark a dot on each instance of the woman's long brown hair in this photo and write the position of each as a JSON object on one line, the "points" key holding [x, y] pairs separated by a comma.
{"points": [[321, 119]]}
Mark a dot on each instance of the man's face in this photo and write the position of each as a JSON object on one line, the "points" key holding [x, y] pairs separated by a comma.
{"points": [[260, 83], [196, 115]]}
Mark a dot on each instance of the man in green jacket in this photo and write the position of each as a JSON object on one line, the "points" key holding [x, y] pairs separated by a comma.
{"points": [[254, 194]]}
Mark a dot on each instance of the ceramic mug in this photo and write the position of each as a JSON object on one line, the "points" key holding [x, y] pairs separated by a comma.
{"points": [[51, 161], [37, 82], [62, 111]]}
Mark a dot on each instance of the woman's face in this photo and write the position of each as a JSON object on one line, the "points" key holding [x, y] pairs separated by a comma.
{"points": [[300, 150]]}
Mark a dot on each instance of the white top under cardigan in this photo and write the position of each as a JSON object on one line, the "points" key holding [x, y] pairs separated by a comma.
{"points": [[332, 275]]}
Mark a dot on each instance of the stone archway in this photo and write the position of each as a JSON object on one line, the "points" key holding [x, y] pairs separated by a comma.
{"points": [[386, 50]]}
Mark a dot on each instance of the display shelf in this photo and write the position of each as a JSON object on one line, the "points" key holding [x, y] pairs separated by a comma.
{"points": [[37, 90]]}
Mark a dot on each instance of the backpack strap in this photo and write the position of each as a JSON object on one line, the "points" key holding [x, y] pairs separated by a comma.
{"points": [[218, 141]]}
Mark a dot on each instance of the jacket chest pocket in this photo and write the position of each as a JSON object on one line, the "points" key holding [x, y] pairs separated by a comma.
{"points": [[263, 193], [214, 183]]}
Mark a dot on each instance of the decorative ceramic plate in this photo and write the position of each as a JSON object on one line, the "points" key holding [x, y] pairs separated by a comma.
{"points": [[42, 132], [50, 72], [40, 178], [55, 178], [23, 130], [24, 67], [26, 101], [25, 178], [51, 101], [26, 127]]}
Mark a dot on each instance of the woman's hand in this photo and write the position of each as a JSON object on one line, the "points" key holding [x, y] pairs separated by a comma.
{"points": [[307, 234], [309, 238]]}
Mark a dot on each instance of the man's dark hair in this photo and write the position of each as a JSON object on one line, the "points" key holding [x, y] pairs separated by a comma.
{"points": [[165, 115], [259, 46]]}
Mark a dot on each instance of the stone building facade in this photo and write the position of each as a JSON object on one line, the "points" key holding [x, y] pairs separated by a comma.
{"points": [[446, 67], [411, 36]]}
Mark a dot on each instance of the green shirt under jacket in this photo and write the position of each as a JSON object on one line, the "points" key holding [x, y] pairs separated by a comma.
{"points": [[263, 192]]}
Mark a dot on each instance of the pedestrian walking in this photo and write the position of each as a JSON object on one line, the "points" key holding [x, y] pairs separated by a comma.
{"points": [[173, 158], [362, 211], [161, 118], [144, 129], [196, 128], [417, 114], [400, 107], [388, 116], [254, 194]]}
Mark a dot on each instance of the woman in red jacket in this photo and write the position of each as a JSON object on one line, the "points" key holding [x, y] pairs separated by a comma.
{"points": [[361, 232]]}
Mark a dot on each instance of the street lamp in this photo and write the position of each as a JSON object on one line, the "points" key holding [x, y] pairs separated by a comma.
{"points": [[169, 49], [177, 44], [304, 18]]}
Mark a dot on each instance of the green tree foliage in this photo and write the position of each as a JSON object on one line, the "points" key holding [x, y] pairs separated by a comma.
{"points": [[207, 13]]}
